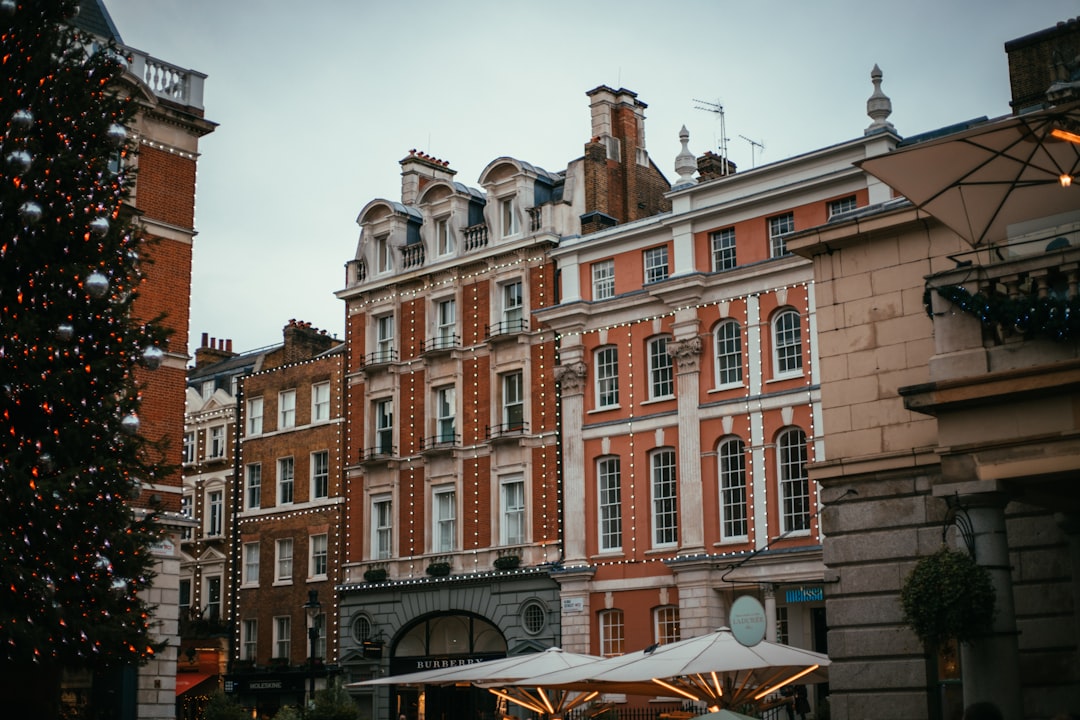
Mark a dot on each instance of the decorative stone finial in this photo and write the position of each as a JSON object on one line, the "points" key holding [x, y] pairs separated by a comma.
{"points": [[878, 106], [685, 163]]}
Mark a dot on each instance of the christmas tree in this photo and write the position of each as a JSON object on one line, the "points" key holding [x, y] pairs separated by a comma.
{"points": [[74, 551]]}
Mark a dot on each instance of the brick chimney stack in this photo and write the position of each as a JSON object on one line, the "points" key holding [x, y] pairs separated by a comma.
{"points": [[303, 342], [621, 183], [213, 350], [417, 170], [711, 166], [1044, 67]]}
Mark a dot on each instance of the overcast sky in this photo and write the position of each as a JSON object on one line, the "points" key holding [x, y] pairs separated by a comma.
{"points": [[317, 102]]}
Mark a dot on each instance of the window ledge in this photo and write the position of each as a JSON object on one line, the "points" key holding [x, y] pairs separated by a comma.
{"points": [[656, 400], [605, 408], [727, 387], [786, 376]]}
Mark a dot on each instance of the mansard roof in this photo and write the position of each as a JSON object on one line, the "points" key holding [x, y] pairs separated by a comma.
{"points": [[94, 18]]}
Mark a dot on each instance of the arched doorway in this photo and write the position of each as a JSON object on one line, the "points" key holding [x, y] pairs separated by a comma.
{"points": [[444, 640]]}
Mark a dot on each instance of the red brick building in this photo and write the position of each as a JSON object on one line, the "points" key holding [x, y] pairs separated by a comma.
{"points": [[166, 132], [453, 499]]}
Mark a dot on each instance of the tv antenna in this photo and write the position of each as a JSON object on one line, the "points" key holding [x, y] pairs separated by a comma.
{"points": [[717, 109], [753, 144]]}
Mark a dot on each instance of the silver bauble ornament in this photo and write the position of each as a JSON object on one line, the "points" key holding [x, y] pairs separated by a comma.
{"points": [[22, 119], [47, 463], [116, 134], [103, 563], [30, 212], [8, 7], [99, 227], [152, 357], [130, 424], [97, 285], [65, 332], [19, 160]]}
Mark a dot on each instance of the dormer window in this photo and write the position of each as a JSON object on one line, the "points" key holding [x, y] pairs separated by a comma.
{"points": [[444, 241], [385, 259], [508, 217]]}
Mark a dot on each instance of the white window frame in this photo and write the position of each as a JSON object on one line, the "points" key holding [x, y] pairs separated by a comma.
{"points": [[286, 409], [283, 561], [382, 527], [286, 481], [189, 447], [384, 337], [661, 369], [320, 635], [787, 343], [444, 519], [215, 513], [253, 486], [446, 414], [606, 360], [183, 602], [444, 238], [722, 244], [791, 459], [656, 266], [318, 556], [384, 256], [209, 583], [513, 400], [445, 322], [249, 639], [842, 205], [664, 491], [666, 625], [251, 551], [603, 279], [512, 510], [187, 509], [320, 475], [731, 466], [513, 305], [609, 502], [384, 426], [727, 344], [216, 446], [612, 624], [780, 226], [282, 636], [255, 416], [320, 402], [508, 221]]}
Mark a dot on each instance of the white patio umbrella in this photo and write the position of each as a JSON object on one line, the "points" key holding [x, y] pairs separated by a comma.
{"points": [[503, 671], [984, 179], [714, 669]]}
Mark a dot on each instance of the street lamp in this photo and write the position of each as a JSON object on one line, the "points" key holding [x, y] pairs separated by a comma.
{"points": [[312, 608]]}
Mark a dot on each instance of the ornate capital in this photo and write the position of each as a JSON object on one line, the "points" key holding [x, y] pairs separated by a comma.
{"points": [[687, 354], [571, 377]]}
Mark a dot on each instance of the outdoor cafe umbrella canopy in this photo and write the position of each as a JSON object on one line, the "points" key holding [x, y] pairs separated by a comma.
{"points": [[715, 669], [982, 180], [505, 671]]}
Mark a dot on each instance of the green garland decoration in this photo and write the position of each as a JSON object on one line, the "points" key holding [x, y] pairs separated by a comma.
{"points": [[1054, 318], [948, 596]]}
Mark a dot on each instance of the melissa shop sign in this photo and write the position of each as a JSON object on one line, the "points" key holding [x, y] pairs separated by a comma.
{"points": [[805, 594]]}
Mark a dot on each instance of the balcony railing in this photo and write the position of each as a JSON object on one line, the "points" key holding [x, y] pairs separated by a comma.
{"points": [[442, 441], [476, 237], [377, 358], [507, 328], [378, 453], [169, 81], [412, 256], [506, 430], [442, 343]]}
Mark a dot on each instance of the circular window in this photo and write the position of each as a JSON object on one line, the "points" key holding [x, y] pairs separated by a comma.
{"points": [[361, 628], [534, 617]]}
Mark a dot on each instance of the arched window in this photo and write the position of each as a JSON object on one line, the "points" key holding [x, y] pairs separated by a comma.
{"points": [[727, 340], [787, 343], [794, 483], [731, 456]]}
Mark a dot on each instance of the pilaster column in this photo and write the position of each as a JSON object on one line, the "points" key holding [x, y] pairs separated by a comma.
{"points": [[571, 379], [687, 356], [770, 611], [991, 664]]}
